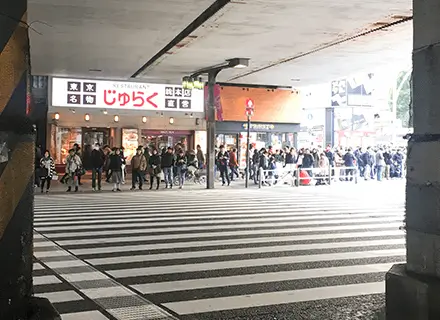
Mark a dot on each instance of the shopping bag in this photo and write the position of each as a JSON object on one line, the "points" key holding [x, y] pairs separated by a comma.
{"points": [[305, 177]]}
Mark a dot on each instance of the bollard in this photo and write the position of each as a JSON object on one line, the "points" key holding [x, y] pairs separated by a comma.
{"points": [[330, 174], [298, 178], [260, 176]]}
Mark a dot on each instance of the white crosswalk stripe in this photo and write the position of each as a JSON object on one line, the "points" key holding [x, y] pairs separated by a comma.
{"points": [[226, 252]]}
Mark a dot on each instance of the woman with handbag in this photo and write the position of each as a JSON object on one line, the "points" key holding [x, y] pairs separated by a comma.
{"points": [[47, 170], [115, 165], [154, 168], [181, 166], [73, 169]]}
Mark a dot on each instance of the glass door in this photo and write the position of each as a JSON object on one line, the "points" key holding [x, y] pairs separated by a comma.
{"points": [[91, 137]]}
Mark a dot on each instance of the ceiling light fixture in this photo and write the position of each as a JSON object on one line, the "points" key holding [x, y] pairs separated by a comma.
{"points": [[238, 63], [171, 120], [104, 111], [195, 81], [144, 119], [87, 117], [116, 118], [56, 116]]}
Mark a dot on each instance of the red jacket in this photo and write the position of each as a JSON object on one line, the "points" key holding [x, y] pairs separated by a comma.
{"points": [[233, 159]]}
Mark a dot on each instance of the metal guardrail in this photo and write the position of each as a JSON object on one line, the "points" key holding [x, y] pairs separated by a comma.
{"points": [[293, 176]]}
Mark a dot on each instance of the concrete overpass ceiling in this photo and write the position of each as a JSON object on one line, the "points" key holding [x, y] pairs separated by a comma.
{"points": [[382, 49], [270, 32], [285, 39], [114, 36]]}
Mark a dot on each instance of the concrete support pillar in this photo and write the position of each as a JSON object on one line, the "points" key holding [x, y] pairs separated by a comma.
{"points": [[413, 289], [329, 126], [210, 129], [17, 153]]}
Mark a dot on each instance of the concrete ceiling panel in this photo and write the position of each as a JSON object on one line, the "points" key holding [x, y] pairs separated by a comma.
{"points": [[118, 37], [115, 36], [272, 31]]}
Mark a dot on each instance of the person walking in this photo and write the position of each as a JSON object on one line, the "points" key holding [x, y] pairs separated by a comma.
{"points": [[380, 164], [97, 161], [167, 164], [77, 149], [200, 157], [233, 163], [154, 168], [115, 166], [222, 164], [138, 167], [47, 165], [181, 167], [73, 166]]}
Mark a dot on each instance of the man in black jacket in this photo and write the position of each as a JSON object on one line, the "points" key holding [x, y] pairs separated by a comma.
{"points": [[97, 160], [223, 163], [167, 163]]}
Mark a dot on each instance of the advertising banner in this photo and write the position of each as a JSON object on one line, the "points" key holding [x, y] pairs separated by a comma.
{"points": [[80, 93]]}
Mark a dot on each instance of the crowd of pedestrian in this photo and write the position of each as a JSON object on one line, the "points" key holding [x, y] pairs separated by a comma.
{"points": [[147, 165], [372, 163], [171, 165]]}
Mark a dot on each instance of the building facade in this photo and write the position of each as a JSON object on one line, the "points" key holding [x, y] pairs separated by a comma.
{"points": [[276, 119], [121, 113]]}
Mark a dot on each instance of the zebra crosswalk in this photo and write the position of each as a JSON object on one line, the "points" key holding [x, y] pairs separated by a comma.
{"points": [[220, 254]]}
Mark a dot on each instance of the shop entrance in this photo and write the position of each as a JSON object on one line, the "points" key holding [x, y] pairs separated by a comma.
{"points": [[165, 139], [91, 137]]}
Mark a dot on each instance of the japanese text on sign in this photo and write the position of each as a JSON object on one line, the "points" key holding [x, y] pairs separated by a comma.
{"points": [[126, 95], [137, 98], [260, 126]]}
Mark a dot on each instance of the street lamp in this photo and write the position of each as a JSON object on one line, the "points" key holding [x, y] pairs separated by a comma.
{"points": [[188, 83]]}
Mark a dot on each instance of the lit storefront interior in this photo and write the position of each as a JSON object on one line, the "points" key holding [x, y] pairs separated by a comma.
{"points": [[129, 132]]}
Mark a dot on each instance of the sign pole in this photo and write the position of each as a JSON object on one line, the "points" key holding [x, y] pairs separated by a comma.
{"points": [[249, 113], [247, 150]]}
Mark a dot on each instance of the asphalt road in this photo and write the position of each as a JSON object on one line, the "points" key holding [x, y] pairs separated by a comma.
{"points": [[275, 253]]}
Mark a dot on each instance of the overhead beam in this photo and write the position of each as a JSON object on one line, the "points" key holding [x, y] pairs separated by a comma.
{"points": [[198, 22]]}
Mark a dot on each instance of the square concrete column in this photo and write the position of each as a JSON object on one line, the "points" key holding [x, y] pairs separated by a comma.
{"points": [[17, 164], [413, 289]]}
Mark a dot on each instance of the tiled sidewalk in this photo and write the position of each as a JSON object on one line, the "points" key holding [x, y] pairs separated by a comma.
{"points": [[78, 291]]}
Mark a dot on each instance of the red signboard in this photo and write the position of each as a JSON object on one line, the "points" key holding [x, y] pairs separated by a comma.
{"points": [[249, 107]]}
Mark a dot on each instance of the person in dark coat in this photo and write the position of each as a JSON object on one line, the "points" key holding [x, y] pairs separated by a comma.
{"points": [[167, 163], [154, 170], [181, 165], [308, 162], [77, 149], [222, 164], [115, 165], [97, 161], [350, 162]]}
